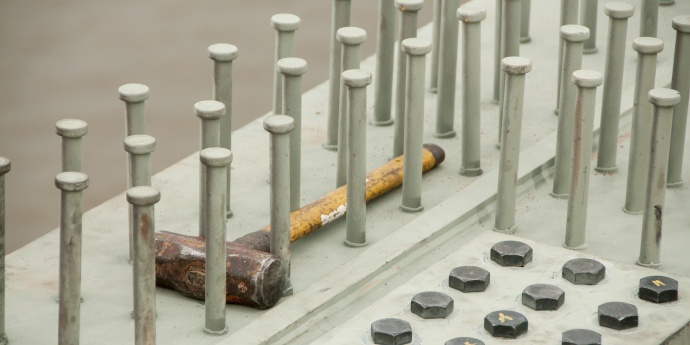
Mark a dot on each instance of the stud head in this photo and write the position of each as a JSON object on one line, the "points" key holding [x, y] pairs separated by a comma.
{"points": [[663, 97], [416, 46], [209, 110], [587, 79], [351, 35], [222, 52], [71, 128], [71, 181], [133, 93], [143, 196], [648, 45], [140, 144], [409, 5], [619, 10], [215, 157], [356, 78], [471, 14], [279, 124], [681, 23], [292, 66], [5, 165], [391, 332], [574, 33], [285, 22], [516, 65]]}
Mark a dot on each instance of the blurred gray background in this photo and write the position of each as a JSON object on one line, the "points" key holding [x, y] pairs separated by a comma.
{"points": [[66, 59]]}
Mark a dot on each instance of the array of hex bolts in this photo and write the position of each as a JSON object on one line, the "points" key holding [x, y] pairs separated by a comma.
{"points": [[510, 324], [656, 148]]}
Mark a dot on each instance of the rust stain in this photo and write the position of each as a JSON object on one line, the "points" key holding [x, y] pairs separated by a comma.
{"points": [[658, 214]]}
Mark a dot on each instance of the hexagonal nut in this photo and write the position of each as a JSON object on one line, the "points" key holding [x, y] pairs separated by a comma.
{"points": [[432, 305], [391, 331], [583, 271], [469, 279], [464, 341], [511, 254], [543, 297], [658, 289], [580, 337], [618, 315], [505, 324]]}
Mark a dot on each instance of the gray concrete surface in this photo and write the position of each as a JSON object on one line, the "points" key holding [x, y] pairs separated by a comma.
{"points": [[66, 60]]}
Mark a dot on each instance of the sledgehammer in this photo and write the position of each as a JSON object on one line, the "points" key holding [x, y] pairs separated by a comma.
{"points": [[254, 276]]}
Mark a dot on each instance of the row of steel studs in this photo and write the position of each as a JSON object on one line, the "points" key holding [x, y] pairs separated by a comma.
{"points": [[652, 142]]}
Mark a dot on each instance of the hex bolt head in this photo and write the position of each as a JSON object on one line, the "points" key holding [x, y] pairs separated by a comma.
{"points": [[505, 324], [71, 128], [464, 341], [469, 279], [658, 289], [511, 254], [391, 331], [543, 297], [580, 337], [583, 271], [432, 305], [618, 315]]}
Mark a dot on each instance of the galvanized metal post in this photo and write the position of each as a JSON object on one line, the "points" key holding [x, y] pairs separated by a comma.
{"points": [[498, 32], [664, 100], [5, 166], [292, 70], [618, 12], [588, 18], [569, 16], [435, 45], [515, 69], [210, 113], [215, 161], [649, 18], [71, 185], [71, 131], [407, 29], [223, 56], [385, 56], [279, 127], [680, 81], [471, 18], [351, 39], [139, 148], [640, 134], [134, 96], [416, 50], [525, 21], [510, 46], [447, 70], [573, 36], [355, 222], [340, 18], [285, 25], [575, 226], [142, 199]]}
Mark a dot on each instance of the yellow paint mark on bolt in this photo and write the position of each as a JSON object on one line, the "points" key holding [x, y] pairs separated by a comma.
{"points": [[503, 318], [658, 283]]}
